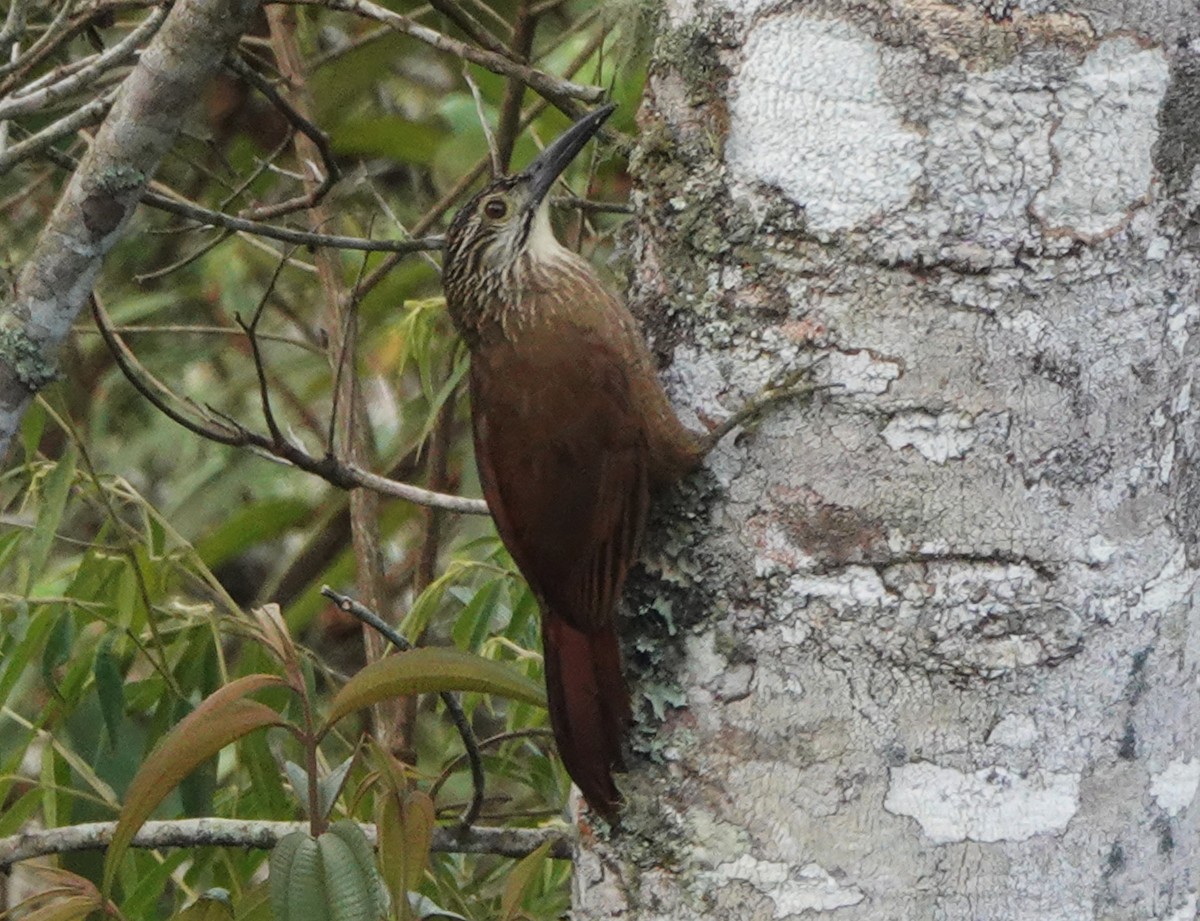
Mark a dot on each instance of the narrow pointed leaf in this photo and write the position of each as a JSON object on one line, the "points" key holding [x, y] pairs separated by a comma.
{"points": [[299, 780], [424, 907], [518, 882], [222, 718], [72, 908], [54, 502], [110, 688], [418, 820], [432, 670], [330, 786]]}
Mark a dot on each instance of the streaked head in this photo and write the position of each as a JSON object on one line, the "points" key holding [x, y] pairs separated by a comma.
{"points": [[508, 218]]}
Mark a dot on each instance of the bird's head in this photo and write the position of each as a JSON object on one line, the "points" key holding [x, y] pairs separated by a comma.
{"points": [[508, 219]]}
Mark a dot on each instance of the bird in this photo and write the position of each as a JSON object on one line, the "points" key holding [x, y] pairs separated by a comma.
{"points": [[573, 433]]}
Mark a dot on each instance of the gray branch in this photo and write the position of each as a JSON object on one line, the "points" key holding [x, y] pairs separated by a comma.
{"points": [[142, 126], [85, 115], [505, 842], [30, 101]]}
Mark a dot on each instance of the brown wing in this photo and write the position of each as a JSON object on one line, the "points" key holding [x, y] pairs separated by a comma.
{"points": [[563, 461]]}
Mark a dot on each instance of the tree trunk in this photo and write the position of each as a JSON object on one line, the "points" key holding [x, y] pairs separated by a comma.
{"points": [[925, 645]]}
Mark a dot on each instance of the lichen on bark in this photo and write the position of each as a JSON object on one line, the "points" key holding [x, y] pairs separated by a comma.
{"points": [[934, 630]]}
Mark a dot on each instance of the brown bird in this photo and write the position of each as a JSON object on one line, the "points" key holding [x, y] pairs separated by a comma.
{"points": [[572, 434]]}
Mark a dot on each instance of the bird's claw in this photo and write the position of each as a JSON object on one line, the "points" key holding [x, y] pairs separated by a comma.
{"points": [[795, 385]]}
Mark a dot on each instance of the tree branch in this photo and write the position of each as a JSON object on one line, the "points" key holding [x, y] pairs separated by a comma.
{"points": [[23, 103], [562, 93], [93, 210], [85, 115], [92, 836], [227, 431]]}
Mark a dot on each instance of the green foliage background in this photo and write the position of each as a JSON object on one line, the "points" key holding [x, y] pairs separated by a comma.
{"points": [[132, 550]]}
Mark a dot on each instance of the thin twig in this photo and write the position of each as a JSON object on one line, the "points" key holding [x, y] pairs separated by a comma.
{"points": [[472, 27], [260, 368], [30, 102], [205, 217], [85, 115], [453, 707], [454, 762], [250, 833], [176, 329], [493, 151], [217, 219], [587, 205], [226, 430], [561, 93], [304, 126], [263, 165], [509, 122], [51, 36], [199, 253]]}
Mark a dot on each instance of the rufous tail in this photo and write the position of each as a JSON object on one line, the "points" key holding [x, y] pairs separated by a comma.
{"points": [[589, 707]]}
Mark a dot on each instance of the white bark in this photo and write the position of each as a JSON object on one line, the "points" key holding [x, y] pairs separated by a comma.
{"points": [[934, 634]]}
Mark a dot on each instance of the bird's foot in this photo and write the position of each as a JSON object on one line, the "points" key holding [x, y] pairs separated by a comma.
{"points": [[800, 384]]}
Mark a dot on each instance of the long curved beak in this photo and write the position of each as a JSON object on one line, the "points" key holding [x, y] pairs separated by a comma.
{"points": [[541, 173]]}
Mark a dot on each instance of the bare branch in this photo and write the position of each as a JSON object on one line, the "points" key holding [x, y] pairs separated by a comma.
{"points": [[173, 203], [415, 494], [23, 103], [562, 93], [260, 368], [210, 218], [82, 117], [88, 220], [510, 109], [493, 150], [228, 431], [304, 126], [49, 37], [172, 329], [471, 26], [247, 833], [14, 25]]}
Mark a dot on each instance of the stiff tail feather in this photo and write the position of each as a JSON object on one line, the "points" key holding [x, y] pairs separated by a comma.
{"points": [[589, 707]]}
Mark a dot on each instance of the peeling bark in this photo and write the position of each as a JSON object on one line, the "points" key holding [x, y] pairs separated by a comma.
{"points": [[925, 647]]}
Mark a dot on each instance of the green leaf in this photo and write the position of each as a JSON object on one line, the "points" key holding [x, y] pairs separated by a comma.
{"points": [[32, 427], [353, 887], [474, 622], [419, 817], [50, 513], [387, 136], [58, 649], [110, 688], [13, 816], [424, 907], [71, 908], [330, 786], [249, 525], [221, 719], [519, 881], [431, 670]]}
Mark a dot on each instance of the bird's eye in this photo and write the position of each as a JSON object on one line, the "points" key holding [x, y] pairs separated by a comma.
{"points": [[495, 209]]}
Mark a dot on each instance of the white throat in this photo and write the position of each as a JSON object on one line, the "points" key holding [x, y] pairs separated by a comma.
{"points": [[542, 245]]}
